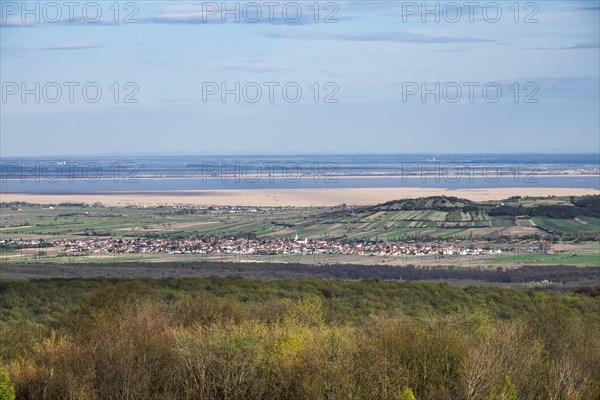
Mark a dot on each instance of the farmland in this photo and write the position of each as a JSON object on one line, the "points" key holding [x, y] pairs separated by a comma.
{"points": [[526, 229], [454, 219]]}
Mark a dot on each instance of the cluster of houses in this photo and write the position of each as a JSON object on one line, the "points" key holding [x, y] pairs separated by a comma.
{"points": [[267, 246]]}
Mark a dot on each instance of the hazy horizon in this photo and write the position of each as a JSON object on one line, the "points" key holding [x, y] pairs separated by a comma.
{"points": [[297, 154]]}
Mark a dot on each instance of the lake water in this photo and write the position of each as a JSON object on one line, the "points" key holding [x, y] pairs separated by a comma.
{"points": [[123, 174]]}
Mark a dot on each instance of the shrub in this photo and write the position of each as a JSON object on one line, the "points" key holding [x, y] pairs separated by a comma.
{"points": [[504, 391], [7, 389], [406, 394]]}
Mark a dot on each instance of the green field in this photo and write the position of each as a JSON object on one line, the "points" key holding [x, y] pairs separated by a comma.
{"points": [[314, 223], [437, 217], [581, 224], [422, 220], [583, 258]]}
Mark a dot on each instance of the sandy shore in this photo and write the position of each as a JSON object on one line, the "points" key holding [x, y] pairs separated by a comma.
{"points": [[286, 197]]}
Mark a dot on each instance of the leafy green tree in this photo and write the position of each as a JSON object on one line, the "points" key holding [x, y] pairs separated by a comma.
{"points": [[504, 391], [7, 390], [406, 394], [308, 311]]}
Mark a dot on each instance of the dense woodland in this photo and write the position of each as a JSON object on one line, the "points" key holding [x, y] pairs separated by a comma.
{"points": [[233, 338]]}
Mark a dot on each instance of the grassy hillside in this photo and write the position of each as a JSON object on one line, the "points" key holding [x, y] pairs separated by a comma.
{"points": [[426, 219]]}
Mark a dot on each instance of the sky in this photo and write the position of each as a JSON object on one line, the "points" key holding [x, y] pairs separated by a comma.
{"points": [[111, 77]]}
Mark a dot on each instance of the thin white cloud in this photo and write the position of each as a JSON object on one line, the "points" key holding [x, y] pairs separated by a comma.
{"points": [[394, 36], [73, 46]]}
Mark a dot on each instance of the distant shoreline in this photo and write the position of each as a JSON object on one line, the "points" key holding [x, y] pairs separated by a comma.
{"points": [[283, 197]]}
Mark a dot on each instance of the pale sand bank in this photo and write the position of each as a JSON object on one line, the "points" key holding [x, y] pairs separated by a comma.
{"points": [[286, 197]]}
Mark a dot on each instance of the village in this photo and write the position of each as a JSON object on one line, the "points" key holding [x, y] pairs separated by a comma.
{"points": [[243, 246]]}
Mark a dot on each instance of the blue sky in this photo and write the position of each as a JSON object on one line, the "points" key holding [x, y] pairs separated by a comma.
{"points": [[367, 57]]}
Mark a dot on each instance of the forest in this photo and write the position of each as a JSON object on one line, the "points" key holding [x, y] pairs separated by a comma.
{"points": [[236, 338]]}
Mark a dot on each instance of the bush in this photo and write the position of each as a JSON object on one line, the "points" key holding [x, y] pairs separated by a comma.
{"points": [[7, 390], [406, 394], [505, 391]]}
